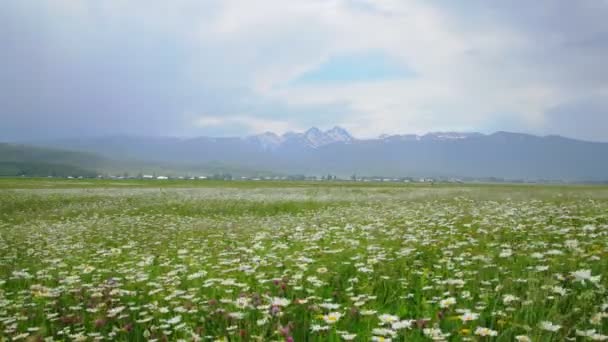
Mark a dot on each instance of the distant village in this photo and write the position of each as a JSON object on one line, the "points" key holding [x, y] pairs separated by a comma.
{"points": [[324, 178], [230, 177], [329, 177]]}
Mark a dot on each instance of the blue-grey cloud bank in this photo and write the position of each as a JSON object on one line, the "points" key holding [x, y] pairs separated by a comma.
{"points": [[72, 68]]}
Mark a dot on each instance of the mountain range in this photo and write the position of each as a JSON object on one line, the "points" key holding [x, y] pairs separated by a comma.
{"points": [[315, 152]]}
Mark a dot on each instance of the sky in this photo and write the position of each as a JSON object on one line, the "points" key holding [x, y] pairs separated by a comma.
{"points": [[72, 68]]}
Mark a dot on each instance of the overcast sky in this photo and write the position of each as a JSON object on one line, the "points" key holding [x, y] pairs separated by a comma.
{"points": [[72, 68]]}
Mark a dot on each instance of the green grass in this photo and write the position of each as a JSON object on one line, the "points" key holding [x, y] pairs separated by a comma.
{"points": [[204, 259], [64, 183]]}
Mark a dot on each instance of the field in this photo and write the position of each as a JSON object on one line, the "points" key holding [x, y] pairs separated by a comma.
{"points": [[84, 260]]}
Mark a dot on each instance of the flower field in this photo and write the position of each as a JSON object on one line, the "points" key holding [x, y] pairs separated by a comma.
{"points": [[304, 263]]}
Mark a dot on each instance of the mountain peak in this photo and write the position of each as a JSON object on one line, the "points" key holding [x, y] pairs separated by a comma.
{"points": [[314, 137], [339, 134], [313, 133], [267, 140], [338, 129]]}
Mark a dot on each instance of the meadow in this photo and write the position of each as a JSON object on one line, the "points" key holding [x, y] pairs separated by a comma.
{"points": [[89, 260]]}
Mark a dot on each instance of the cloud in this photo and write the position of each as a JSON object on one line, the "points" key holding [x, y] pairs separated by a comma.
{"points": [[585, 118], [252, 125], [384, 66]]}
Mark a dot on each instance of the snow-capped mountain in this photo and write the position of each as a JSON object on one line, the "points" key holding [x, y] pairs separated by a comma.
{"points": [[447, 154], [339, 134], [312, 138], [266, 140], [432, 136], [450, 135], [315, 138]]}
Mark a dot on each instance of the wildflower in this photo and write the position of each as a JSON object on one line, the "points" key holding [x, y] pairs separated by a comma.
{"points": [[446, 303], [508, 299], [522, 338], [559, 290], [596, 319], [583, 275], [317, 328], [261, 321], [237, 315], [505, 253], [435, 334], [481, 331], [548, 326], [277, 301], [585, 333], [387, 319], [468, 316], [242, 302], [332, 317], [143, 320], [196, 275], [115, 311], [383, 332], [20, 336], [174, 320], [380, 339], [330, 306], [405, 324], [367, 312]]}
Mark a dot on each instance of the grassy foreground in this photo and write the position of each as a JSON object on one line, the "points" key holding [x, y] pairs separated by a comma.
{"points": [[245, 261]]}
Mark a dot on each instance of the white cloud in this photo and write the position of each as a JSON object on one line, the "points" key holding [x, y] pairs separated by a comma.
{"points": [[252, 124], [475, 64], [465, 78]]}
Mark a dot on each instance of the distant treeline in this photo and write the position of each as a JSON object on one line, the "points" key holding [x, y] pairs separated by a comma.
{"points": [[32, 169]]}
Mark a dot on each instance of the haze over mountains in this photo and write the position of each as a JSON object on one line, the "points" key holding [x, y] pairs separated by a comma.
{"points": [[316, 152], [139, 75]]}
